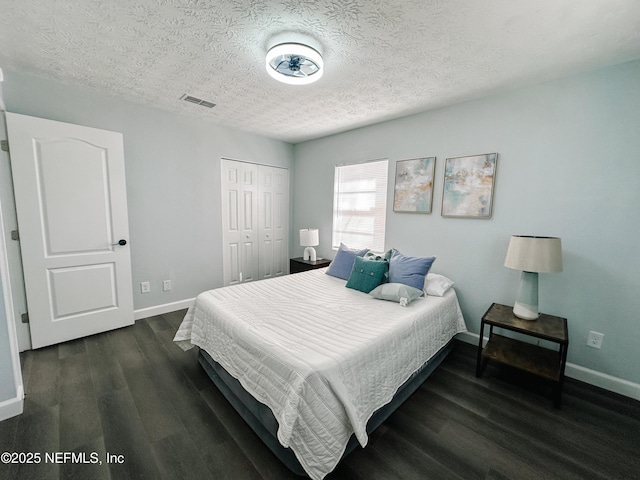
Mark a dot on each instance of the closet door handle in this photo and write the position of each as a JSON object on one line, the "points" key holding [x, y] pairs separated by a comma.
{"points": [[122, 243]]}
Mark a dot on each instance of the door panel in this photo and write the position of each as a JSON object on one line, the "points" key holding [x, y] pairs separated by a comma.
{"points": [[273, 230], [232, 211], [280, 221], [239, 229], [65, 283], [71, 204], [249, 211], [233, 255], [72, 176], [248, 262]]}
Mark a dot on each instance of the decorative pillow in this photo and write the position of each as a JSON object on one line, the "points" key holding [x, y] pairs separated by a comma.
{"points": [[411, 271], [437, 285], [396, 292], [342, 264], [378, 255], [366, 274]]}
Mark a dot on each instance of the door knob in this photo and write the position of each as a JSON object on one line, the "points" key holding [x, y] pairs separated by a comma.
{"points": [[122, 243]]}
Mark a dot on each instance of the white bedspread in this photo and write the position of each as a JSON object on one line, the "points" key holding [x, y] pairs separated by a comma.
{"points": [[321, 356]]}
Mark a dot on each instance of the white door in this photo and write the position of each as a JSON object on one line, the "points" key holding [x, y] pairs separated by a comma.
{"points": [[239, 221], [266, 233], [273, 219], [14, 259], [71, 204]]}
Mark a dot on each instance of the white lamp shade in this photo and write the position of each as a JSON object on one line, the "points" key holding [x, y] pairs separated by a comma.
{"points": [[534, 254], [309, 237]]}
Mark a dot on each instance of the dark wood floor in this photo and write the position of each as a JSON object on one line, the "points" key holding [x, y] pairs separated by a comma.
{"points": [[132, 393]]}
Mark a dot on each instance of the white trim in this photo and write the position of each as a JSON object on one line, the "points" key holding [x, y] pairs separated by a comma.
{"points": [[602, 380], [583, 374], [161, 309], [13, 406], [468, 337]]}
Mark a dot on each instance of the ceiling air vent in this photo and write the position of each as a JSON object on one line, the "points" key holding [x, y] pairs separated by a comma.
{"points": [[197, 101]]}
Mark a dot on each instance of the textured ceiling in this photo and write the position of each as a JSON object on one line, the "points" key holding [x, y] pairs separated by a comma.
{"points": [[384, 59]]}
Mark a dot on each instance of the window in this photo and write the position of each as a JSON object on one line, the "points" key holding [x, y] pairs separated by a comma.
{"points": [[360, 205]]}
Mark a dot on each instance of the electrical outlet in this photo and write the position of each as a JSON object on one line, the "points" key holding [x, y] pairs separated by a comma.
{"points": [[166, 285], [595, 339], [145, 287]]}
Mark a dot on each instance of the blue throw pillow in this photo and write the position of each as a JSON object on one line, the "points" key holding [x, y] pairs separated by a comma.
{"points": [[367, 274], [342, 264], [409, 270]]}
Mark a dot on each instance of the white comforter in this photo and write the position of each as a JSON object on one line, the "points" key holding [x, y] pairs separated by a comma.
{"points": [[321, 356]]}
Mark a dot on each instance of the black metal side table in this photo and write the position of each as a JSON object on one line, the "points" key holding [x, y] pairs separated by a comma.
{"points": [[544, 362]]}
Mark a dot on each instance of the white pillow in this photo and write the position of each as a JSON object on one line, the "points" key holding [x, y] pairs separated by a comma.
{"points": [[436, 284]]}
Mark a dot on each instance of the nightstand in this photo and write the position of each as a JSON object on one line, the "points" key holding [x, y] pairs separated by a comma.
{"points": [[543, 362], [297, 265]]}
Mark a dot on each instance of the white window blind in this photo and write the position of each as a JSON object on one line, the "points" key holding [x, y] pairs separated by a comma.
{"points": [[360, 205]]}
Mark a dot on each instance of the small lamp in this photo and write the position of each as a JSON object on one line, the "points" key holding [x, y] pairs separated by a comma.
{"points": [[532, 255], [309, 238]]}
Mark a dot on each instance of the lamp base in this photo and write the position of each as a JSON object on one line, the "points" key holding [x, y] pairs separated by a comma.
{"points": [[526, 312], [309, 254], [526, 306]]}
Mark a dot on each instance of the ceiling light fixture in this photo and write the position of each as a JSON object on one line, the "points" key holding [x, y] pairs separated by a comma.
{"points": [[294, 63]]}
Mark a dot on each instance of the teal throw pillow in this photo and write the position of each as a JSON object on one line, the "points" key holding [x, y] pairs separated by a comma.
{"points": [[380, 256], [366, 274]]}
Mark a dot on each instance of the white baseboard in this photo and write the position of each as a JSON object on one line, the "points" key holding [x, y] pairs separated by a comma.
{"points": [[161, 309], [602, 380], [468, 337], [586, 375], [13, 406]]}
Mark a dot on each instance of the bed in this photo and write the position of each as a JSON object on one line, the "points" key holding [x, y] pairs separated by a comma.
{"points": [[313, 366]]}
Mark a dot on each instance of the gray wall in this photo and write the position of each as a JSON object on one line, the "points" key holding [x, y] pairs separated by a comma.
{"points": [[173, 180], [568, 166]]}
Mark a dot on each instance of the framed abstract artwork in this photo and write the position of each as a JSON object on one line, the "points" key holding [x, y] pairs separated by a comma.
{"points": [[413, 190], [468, 186]]}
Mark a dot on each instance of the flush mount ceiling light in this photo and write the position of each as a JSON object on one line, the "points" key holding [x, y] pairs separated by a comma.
{"points": [[294, 63]]}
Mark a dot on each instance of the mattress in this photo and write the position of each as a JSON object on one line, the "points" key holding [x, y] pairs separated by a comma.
{"points": [[260, 418], [322, 357]]}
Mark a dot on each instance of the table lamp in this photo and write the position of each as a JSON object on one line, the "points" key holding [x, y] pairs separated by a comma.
{"points": [[309, 238], [532, 255]]}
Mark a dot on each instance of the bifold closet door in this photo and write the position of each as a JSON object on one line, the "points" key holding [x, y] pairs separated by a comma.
{"points": [[255, 217], [239, 221], [273, 221]]}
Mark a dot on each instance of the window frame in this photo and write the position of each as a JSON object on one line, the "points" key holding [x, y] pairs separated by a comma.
{"points": [[345, 186]]}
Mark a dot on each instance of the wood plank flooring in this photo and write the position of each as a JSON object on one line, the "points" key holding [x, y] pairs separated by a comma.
{"points": [[132, 393]]}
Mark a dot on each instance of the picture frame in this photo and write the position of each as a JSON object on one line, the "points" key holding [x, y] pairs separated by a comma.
{"points": [[469, 183], [413, 190]]}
